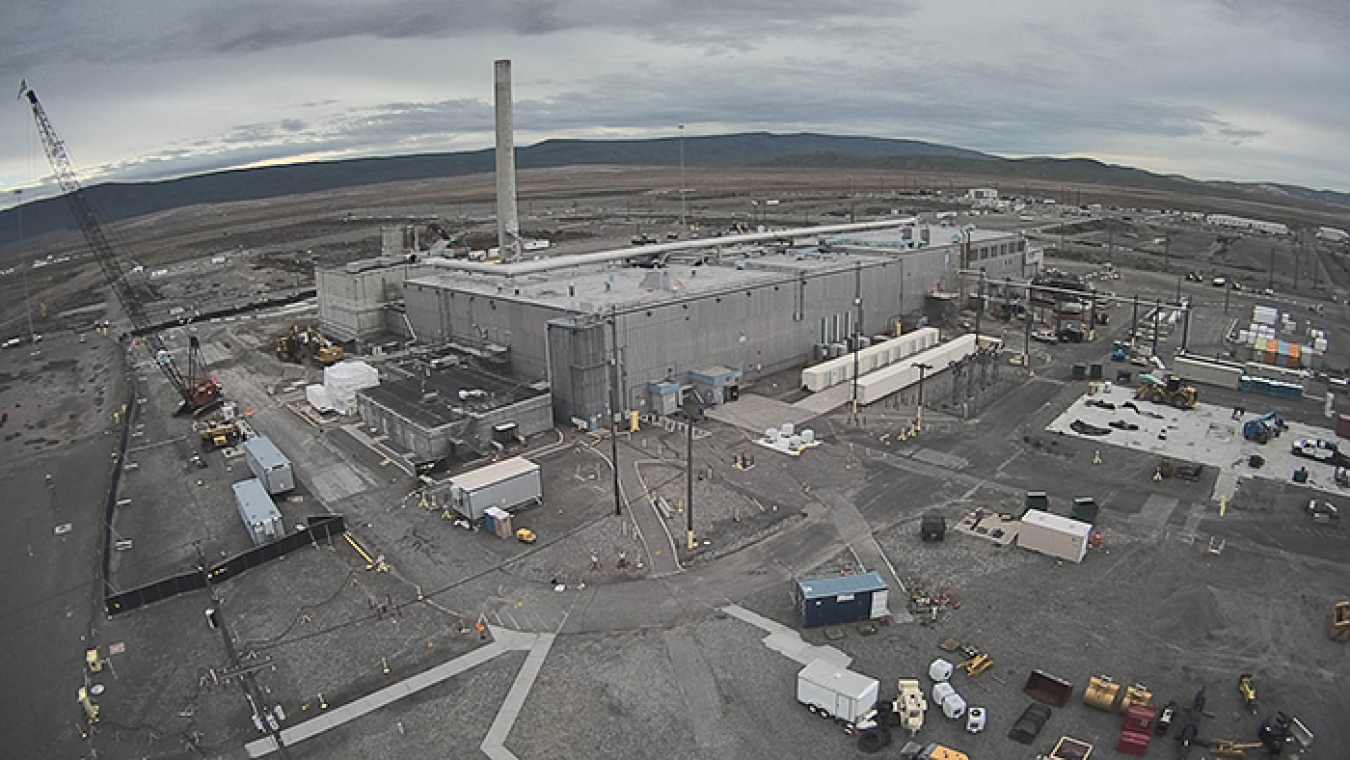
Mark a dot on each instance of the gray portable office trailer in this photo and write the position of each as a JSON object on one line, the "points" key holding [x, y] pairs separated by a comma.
{"points": [[260, 515], [842, 599], [269, 465], [506, 485]]}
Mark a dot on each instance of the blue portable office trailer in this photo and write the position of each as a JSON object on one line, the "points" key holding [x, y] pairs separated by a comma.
{"points": [[841, 599]]}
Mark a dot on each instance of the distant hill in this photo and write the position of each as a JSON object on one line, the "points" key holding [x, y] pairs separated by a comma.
{"points": [[118, 201]]}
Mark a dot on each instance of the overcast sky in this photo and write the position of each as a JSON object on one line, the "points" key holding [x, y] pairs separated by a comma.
{"points": [[1214, 89]]}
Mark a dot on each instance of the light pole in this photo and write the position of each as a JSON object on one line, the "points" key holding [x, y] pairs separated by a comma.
{"points": [[692, 409], [918, 415], [682, 212]]}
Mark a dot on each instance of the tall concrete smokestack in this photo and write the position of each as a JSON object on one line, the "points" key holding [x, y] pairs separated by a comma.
{"points": [[508, 221]]}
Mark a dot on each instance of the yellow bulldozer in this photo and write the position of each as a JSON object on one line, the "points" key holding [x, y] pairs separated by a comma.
{"points": [[299, 344], [1166, 390]]}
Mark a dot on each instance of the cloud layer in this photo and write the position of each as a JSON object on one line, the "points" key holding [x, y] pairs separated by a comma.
{"points": [[1230, 89]]}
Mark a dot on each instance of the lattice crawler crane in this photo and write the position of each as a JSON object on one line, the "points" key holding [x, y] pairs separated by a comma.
{"points": [[198, 393]]}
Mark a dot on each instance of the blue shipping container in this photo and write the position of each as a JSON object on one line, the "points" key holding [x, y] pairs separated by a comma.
{"points": [[841, 599]]}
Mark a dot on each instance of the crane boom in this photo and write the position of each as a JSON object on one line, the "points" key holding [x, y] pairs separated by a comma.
{"points": [[197, 394]]}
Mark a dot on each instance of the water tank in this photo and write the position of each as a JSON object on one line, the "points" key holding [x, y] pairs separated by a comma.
{"points": [[940, 670], [788, 429], [942, 690], [771, 434], [808, 436]]}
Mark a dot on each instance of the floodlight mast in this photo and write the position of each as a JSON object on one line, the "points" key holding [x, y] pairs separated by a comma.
{"points": [[198, 395]]}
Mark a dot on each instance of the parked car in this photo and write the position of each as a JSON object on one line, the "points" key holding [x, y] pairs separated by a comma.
{"points": [[1045, 336]]}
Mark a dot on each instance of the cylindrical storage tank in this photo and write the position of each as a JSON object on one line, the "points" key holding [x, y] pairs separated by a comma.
{"points": [[808, 436], [940, 670], [942, 690], [954, 706], [787, 429], [771, 434]]}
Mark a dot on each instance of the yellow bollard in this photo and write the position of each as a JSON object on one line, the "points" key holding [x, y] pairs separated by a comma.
{"points": [[1223, 505]]}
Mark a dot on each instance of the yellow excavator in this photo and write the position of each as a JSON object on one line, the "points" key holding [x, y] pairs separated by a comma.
{"points": [[299, 344]]}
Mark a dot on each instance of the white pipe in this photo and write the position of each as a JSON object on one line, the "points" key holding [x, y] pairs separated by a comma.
{"points": [[619, 254]]}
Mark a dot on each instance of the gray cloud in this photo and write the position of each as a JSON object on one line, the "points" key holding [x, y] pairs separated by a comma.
{"points": [[1214, 87]]}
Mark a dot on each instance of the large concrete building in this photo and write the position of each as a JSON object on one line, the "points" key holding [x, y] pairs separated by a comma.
{"points": [[710, 317]]}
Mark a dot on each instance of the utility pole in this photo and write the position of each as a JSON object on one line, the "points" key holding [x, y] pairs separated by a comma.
{"points": [[857, 330], [1134, 320], [1157, 313], [266, 718], [691, 410], [613, 410], [1027, 312], [918, 413]]}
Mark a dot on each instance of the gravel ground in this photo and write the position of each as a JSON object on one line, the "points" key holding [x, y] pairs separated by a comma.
{"points": [[419, 726]]}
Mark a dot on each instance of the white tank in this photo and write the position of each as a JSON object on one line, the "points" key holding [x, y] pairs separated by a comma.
{"points": [[940, 670], [941, 691], [808, 436]]}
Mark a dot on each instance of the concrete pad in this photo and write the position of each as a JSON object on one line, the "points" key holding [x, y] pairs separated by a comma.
{"points": [[494, 745], [823, 401], [786, 641], [759, 413], [504, 641], [1206, 434]]}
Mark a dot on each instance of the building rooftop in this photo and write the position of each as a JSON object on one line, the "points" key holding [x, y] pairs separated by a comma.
{"points": [[901, 237], [448, 395], [599, 287], [843, 584]]}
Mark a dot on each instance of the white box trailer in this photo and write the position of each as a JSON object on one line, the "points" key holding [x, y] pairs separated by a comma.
{"points": [[505, 485], [882, 383], [838, 370], [832, 689], [1197, 370], [269, 465], [1054, 535]]}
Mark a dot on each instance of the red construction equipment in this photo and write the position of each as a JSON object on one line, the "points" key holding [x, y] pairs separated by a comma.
{"points": [[198, 393], [1137, 730]]}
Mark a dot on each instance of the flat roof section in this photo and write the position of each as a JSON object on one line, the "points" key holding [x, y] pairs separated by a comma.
{"points": [[254, 502], [598, 288], [494, 473], [458, 390], [845, 584], [266, 453], [938, 237]]}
